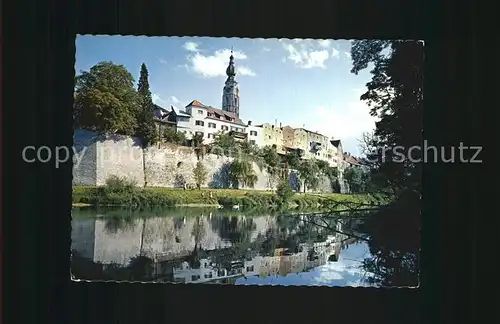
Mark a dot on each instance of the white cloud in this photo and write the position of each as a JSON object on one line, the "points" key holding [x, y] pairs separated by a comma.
{"points": [[174, 99], [157, 99], [335, 52], [348, 55], [308, 53], [266, 49], [325, 43], [210, 66], [191, 46], [245, 71]]}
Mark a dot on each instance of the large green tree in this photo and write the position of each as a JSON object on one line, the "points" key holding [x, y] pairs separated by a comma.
{"points": [[395, 95], [242, 173], [105, 99], [272, 160], [224, 144], [309, 173], [146, 128], [357, 178]]}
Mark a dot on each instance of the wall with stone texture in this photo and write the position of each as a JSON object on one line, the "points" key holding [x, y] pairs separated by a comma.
{"points": [[97, 158]]}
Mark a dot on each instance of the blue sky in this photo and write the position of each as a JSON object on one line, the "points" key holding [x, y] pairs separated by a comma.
{"points": [[296, 82]]}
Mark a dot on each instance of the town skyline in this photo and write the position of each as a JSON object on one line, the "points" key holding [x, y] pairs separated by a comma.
{"points": [[203, 67]]}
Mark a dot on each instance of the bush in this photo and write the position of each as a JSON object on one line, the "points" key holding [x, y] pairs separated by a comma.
{"points": [[121, 192], [284, 192]]}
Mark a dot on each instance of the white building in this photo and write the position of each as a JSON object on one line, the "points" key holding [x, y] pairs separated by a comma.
{"points": [[255, 134], [207, 121]]}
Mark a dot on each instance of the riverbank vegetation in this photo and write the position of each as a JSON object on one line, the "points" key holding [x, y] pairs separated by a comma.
{"points": [[120, 192]]}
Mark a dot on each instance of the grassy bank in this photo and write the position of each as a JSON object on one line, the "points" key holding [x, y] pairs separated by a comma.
{"points": [[168, 197]]}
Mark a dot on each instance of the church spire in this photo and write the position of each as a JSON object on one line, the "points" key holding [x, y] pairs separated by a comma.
{"points": [[231, 71], [230, 95]]}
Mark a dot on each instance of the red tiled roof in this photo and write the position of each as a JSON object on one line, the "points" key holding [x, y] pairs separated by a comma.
{"points": [[352, 159], [218, 112]]}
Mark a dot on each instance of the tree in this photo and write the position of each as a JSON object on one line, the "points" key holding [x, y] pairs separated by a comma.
{"points": [[172, 136], [308, 173], [146, 128], [272, 161], [284, 191], [198, 145], [292, 158], [200, 174], [241, 172], [357, 179], [395, 95], [248, 147], [105, 100], [223, 144]]}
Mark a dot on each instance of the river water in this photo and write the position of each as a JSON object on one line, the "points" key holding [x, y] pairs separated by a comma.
{"points": [[203, 245]]}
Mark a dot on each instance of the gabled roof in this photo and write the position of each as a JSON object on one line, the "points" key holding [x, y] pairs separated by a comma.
{"points": [[335, 143], [308, 131], [155, 106], [217, 111], [352, 159]]}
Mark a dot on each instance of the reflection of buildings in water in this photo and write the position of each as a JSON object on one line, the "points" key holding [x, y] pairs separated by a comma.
{"points": [[156, 238], [167, 239], [208, 271]]}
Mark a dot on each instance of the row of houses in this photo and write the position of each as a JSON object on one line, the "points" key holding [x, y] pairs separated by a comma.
{"points": [[206, 121]]}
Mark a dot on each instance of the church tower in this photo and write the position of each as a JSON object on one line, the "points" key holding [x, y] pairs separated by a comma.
{"points": [[230, 94]]}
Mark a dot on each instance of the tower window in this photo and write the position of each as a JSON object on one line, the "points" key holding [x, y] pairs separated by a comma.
{"points": [[200, 112], [199, 123]]}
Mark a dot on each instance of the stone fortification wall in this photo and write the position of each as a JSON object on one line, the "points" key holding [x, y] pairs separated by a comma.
{"points": [[99, 157]]}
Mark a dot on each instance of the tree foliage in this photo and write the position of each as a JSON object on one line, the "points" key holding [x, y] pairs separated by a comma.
{"points": [[309, 173], [224, 144], [105, 100], [198, 145], [170, 135], [358, 179], [272, 160], [146, 128], [293, 158], [200, 174], [284, 191], [395, 95], [242, 173]]}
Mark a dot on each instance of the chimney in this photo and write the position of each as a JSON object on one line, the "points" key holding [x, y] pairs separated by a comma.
{"points": [[280, 125], [249, 123]]}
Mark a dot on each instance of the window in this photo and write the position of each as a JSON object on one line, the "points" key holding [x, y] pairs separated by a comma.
{"points": [[252, 142], [195, 277], [224, 127], [253, 133], [200, 112], [212, 125], [200, 134], [199, 123], [210, 135]]}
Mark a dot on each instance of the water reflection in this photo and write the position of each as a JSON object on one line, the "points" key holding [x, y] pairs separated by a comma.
{"points": [[209, 247]]}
